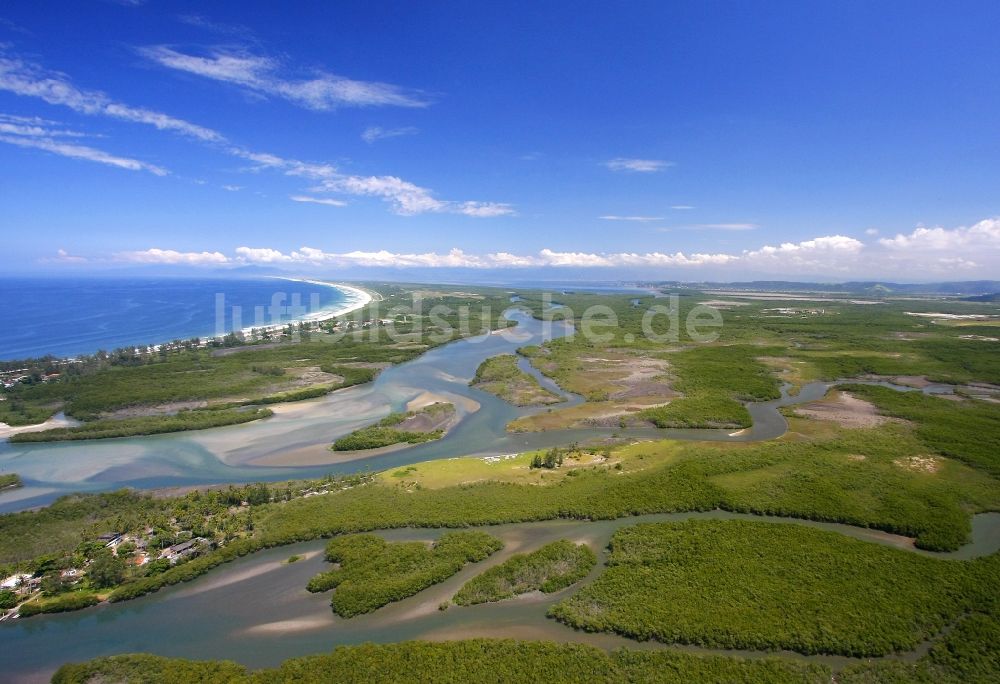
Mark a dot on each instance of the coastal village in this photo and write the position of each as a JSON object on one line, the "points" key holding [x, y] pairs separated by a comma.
{"points": [[155, 534]]}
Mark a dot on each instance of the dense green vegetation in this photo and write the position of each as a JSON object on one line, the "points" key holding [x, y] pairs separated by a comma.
{"points": [[732, 371], [372, 572], [145, 425], [703, 411], [740, 584], [8, 480], [62, 604], [824, 479], [500, 375], [968, 653], [391, 430], [968, 431], [817, 480], [457, 662], [553, 567]]}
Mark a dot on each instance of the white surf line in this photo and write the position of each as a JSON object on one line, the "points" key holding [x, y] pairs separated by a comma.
{"points": [[361, 299]]}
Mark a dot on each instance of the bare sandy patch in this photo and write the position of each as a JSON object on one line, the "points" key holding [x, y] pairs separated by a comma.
{"points": [[845, 410], [167, 409], [919, 464], [56, 421], [289, 626]]}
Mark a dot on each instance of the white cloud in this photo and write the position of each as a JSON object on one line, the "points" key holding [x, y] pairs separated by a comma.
{"points": [[483, 209], [82, 152], [29, 80], [260, 74], [985, 233], [373, 133], [261, 255], [409, 199], [871, 231], [318, 200], [637, 165], [169, 256], [405, 197], [232, 188], [638, 219], [682, 207], [828, 255], [64, 257], [34, 126]]}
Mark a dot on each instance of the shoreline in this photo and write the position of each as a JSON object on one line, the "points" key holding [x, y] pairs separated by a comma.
{"points": [[363, 298]]}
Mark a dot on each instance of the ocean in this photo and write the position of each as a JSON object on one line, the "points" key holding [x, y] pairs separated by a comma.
{"points": [[72, 316]]}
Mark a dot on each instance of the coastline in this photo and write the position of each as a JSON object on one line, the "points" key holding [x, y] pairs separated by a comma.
{"points": [[357, 299], [362, 299]]}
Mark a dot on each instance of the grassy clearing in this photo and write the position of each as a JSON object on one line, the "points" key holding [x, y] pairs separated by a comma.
{"points": [[968, 431], [457, 662], [372, 572], [739, 584], [499, 375], [553, 567], [10, 481]]}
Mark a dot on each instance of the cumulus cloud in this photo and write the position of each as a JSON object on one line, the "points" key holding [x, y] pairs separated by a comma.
{"points": [[637, 165], [941, 251], [169, 256], [985, 233], [373, 133], [260, 74]]}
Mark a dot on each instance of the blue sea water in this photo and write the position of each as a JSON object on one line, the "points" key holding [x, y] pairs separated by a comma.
{"points": [[72, 316]]}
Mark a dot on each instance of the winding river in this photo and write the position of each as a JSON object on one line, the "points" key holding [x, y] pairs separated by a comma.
{"points": [[293, 443], [256, 610]]}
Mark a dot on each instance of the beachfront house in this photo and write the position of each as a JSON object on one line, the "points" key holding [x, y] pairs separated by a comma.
{"points": [[177, 551]]}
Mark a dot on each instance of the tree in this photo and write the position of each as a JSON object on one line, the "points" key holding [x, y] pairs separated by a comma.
{"points": [[8, 599], [54, 584], [106, 571]]}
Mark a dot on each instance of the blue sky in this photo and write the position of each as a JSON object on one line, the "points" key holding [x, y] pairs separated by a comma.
{"points": [[682, 140]]}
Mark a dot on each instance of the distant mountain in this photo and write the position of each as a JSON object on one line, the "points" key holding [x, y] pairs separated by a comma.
{"points": [[995, 297], [871, 288]]}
